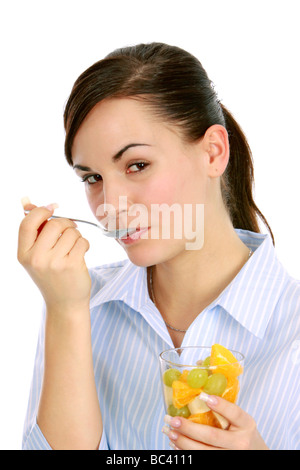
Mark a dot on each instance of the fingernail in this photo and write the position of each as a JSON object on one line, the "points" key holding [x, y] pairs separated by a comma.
{"points": [[165, 430], [25, 200], [210, 400], [167, 419], [171, 434], [171, 444], [51, 207], [174, 422]]}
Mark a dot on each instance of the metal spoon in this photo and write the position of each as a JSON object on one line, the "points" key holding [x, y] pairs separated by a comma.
{"points": [[108, 233]]}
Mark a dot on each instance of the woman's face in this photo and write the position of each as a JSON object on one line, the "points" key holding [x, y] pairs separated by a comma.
{"points": [[155, 167]]}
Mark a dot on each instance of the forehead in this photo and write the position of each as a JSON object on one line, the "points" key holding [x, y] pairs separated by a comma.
{"points": [[114, 117], [114, 123]]}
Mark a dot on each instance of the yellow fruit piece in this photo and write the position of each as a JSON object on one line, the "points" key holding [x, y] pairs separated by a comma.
{"points": [[221, 422], [198, 406], [224, 362], [183, 394], [232, 390], [204, 418]]}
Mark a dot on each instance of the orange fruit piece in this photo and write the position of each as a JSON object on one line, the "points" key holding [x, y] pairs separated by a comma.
{"points": [[183, 393], [224, 362], [183, 377], [232, 390], [204, 418]]}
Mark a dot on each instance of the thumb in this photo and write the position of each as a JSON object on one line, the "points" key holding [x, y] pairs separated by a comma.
{"points": [[26, 203]]}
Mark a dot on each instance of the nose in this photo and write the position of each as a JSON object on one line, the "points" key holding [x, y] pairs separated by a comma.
{"points": [[113, 211]]}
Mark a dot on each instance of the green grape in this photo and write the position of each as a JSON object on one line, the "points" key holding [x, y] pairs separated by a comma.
{"points": [[215, 385], [206, 362], [197, 378], [184, 412], [170, 375]]}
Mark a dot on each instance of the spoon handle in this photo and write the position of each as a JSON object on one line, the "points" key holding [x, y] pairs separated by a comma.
{"points": [[108, 233], [70, 218]]}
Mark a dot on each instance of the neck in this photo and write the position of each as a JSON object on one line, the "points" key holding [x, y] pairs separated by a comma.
{"points": [[189, 282]]}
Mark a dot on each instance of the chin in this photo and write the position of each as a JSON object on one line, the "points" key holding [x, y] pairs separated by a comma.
{"points": [[154, 252]]}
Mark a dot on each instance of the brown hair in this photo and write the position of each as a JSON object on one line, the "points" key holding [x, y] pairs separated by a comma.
{"points": [[173, 83]]}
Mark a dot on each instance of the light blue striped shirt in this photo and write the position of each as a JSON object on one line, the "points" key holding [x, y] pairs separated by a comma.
{"points": [[257, 314]]}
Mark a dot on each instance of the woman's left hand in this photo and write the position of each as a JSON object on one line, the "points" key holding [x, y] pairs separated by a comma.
{"points": [[242, 433]]}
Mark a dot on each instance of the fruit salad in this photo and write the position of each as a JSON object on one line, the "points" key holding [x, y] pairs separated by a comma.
{"points": [[217, 374]]}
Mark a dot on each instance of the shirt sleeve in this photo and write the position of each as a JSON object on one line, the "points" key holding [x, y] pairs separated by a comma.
{"points": [[33, 438], [292, 435]]}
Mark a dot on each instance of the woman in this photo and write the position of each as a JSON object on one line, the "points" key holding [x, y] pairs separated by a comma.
{"points": [[145, 124]]}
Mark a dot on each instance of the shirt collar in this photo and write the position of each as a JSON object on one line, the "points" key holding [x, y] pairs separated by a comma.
{"points": [[122, 285], [252, 295], [250, 298]]}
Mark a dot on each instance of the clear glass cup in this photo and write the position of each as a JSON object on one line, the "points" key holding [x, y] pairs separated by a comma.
{"points": [[187, 372]]}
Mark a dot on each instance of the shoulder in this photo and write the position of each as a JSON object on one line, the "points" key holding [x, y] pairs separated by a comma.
{"points": [[290, 295], [287, 309]]}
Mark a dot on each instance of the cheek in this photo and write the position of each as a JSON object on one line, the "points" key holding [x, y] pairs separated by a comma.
{"points": [[93, 199], [181, 188], [166, 189], [176, 189]]}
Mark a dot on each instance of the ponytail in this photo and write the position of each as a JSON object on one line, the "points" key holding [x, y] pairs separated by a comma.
{"points": [[238, 180]]}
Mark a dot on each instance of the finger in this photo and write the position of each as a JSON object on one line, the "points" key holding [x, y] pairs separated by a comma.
{"points": [[66, 242], [184, 443], [203, 433], [26, 203], [28, 207], [233, 413], [79, 249], [30, 225], [52, 232]]}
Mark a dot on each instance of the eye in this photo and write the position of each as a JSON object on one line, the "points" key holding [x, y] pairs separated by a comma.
{"points": [[140, 165], [91, 179]]}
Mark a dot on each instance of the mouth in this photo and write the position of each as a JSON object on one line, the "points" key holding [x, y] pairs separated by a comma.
{"points": [[134, 235]]}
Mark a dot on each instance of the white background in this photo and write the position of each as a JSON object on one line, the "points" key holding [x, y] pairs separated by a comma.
{"points": [[250, 50]]}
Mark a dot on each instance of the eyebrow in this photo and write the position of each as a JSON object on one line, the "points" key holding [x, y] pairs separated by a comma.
{"points": [[115, 157]]}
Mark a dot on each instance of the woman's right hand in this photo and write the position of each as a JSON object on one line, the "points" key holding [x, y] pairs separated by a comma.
{"points": [[52, 252]]}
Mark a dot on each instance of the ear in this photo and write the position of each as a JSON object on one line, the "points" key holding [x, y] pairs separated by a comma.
{"points": [[216, 146]]}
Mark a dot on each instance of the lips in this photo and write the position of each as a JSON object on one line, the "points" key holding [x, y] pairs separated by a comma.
{"points": [[134, 235]]}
